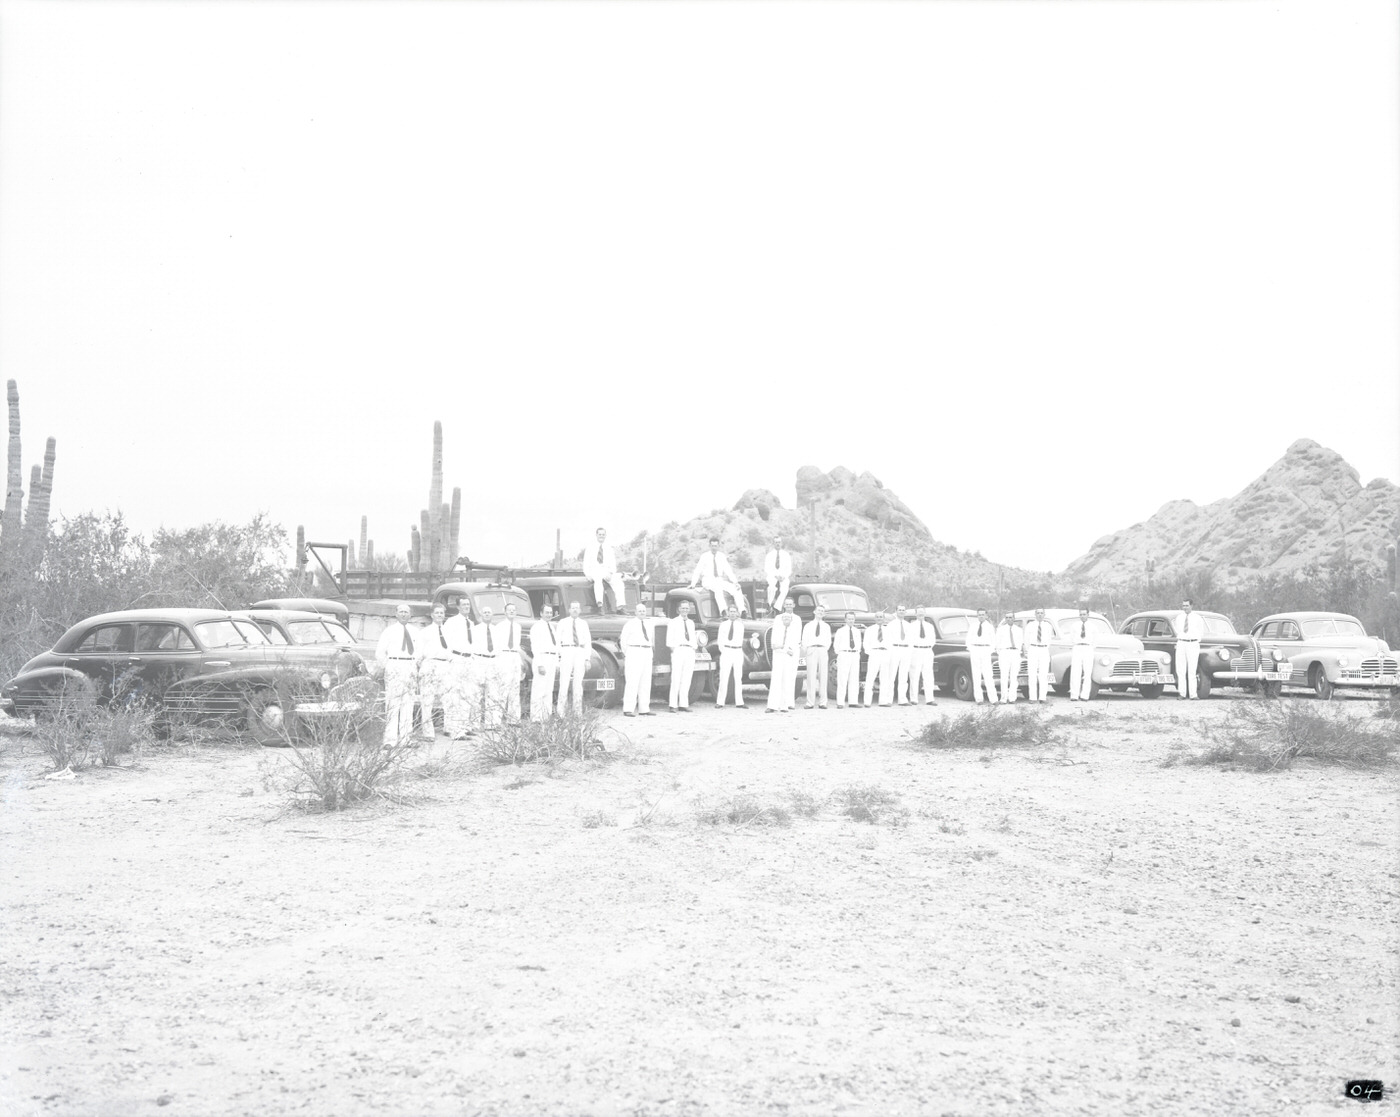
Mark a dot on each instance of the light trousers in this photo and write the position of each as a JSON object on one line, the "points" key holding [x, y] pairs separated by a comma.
{"points": [[782, 687], [613, 581], [488, 675], [508, 665], [877, 667], [982, 674], [542, 685], [1081, 671], [682, 671], [1009, 663], [848, 678], [400, 694], [636, 686], [456, 706], [1188, 655], [731, 666], [777, 592], [816, 677], [902, 661], [921, 675], [436, 681], [1037, 673], [722, 589], [573, 665]]}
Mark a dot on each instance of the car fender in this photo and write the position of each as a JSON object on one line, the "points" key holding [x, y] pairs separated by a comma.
{"points": [[46, 678]]}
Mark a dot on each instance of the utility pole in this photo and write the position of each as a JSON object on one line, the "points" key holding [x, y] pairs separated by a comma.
{"points": [[1151, 566], [558, 561]]}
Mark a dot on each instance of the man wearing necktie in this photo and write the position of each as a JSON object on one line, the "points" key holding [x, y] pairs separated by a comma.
{"points": [[714, 573], [461, 714], [900, 658], [435, 679], [878, 647], [544, 648], [921, 640], [980, 634], [488, 679], [1008, 656], [397, 650], [777, 568], [847, 641], [575, 650], [786, 635], [1037, 641], [1081, 658], [816, 646], [638, 654], [1189, 630], [680, 638], [507, 635], [731, 659], [600, 564]]}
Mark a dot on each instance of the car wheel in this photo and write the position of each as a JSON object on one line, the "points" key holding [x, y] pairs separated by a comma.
{"points": [[1203, 684], [1062, 686], [962, 682], [608, 668], [1093, 689], [1152, 691], [831, 676], [1317, 678], [264, 716]]}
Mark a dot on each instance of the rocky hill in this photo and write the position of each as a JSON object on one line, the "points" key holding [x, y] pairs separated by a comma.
{"points": [[842, 522], [1308, 508]]}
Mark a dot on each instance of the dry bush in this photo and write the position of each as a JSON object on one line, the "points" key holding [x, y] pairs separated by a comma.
{"points": [[988, 728], [594, 819], [745, 810], [1268, 736], [868, 803], [339, 758], [569, 736], [77, 731], [805, 804]]}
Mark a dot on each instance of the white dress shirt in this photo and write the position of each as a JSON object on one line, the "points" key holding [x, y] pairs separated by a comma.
{"points": [[639, 635], [787, 634], [573, 632], [847, 639], [1189, 626], [777, 565], [713, 565], [595, 569], [980, 634], [816, 634], [1008, 637], [731, 635]]}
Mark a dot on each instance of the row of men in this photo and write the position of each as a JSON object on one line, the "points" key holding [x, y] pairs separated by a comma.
{"points": [[713, 571]]}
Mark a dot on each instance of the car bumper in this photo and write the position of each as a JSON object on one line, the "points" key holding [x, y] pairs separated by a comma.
{"points": [[1348, 679], [1282, 675], [1137, 678]]}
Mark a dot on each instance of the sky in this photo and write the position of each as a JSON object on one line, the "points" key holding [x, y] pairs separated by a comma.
{"points": [[1038, 267]]}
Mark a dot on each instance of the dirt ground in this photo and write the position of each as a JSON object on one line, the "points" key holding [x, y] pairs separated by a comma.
{"points": [[1073, 928]]}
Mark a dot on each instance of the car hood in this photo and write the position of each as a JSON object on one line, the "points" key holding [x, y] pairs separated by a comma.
{"points": [[1364, 645]]}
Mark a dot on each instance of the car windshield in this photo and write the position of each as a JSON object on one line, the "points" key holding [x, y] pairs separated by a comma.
{"points": [[1219, 626], [841, 600], [251, 632], [224, 634], [273, 634], [1332, 626], [1068, 627], [497, 599], [318, 632]]}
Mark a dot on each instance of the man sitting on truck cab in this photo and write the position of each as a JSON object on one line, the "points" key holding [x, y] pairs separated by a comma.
{"points": [[714, 573]]}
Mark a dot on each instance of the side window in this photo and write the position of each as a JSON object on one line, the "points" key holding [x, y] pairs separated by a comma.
{"points": [[1288, 630], [803, 601], [1267, 632], [1137, 628], [106, 639], [953, 628], [163, 638], [1159, 629]]}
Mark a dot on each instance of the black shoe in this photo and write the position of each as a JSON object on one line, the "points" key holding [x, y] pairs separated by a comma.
{"points": [[671, 708], [628, 714]]}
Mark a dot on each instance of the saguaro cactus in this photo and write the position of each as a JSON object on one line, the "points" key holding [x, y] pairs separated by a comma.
{"points": [[415, 543], [364, 540], [14, 483], [454, 529]]}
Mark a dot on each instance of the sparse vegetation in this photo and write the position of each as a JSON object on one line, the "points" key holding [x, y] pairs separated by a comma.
{"points": [[339, 759], [745, 810], [1269, 736], [868, 803], [805, 804], [594, 819], [78, 732], [551, 740], [988, 728]]}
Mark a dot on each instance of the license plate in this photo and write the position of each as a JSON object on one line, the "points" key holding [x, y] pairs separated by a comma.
{"points": [[1277, 676], [604, 684], [702, 657], [1148, 680]]}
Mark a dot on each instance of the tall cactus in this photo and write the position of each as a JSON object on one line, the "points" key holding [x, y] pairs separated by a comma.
{"points": [[444, 522], [350, 563], [415, 542], [454, 528], [369, 554], [364, 541], [36, 521], [14, 485]]}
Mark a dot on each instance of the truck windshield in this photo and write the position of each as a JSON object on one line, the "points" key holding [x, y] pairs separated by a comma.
{"points": [[841, 600], [497, 599]]}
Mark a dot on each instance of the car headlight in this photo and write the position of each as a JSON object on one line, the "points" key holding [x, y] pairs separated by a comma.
{"points": [[1163, 658], [1278, 655], [1223, 653], [1341, 661], [325, 680], [754, 641], [1106, 660]]}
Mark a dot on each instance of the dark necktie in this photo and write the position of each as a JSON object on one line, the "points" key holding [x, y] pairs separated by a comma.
{"points": [[881, 637], [730, 637], [685, 623], [441, 638], [510, 646], [554, 640], [714, 564], [407, 641], [1083, 629], [600, 554], [490, 644], [979, 628], [646, 639], [850, 639], [576, 641]]}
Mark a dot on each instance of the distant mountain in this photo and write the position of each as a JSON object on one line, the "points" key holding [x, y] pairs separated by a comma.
{"points": [[1308, 508], [842, 522]]}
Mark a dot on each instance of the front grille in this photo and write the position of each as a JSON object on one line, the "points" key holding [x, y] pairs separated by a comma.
{"points": [[1372, 669], [1245, 661], [1138, 667]]}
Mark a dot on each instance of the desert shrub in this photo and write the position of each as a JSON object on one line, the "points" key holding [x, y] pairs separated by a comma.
{"points": [[1267, 736], [77, 731], [594, 819], [339, 758], [745, 810], [568, 737], [805, 804], [988, 728], [868, 803]]}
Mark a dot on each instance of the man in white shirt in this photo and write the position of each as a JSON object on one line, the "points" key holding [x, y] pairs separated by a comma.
{"points": [[462, 713], [638, 650], [731, 659], [901, 658], [878, 648], [397, 652], [600, 564], [786, 636], [435, 671], [544, 649], [1189, 630], [1081, 658], [484, 650], [816, 645], [847, 641], [777, 568], [1008, 644], [1038, 634], [921, 640], [575, 650], [680, 638], [980, 635], [508, 634], [714, 573]]}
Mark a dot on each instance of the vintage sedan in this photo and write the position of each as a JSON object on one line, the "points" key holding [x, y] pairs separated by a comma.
{"points": [[196, 665], [304, 627], [1228, 658], [1121, 662], [1329, 650]]}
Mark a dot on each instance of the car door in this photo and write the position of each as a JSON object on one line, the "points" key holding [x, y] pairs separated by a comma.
{"points": [[102, 655], [1157, 635], [164, 651]]}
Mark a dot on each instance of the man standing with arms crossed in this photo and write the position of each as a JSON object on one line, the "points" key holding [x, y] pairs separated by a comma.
{"points": [[980, 635], [463, 710], [877, 656], [1189, 630], [1037, 640], [786, 635], [600, 564], [509, 648], [847, 642], [777, 567], [544, 648], [1081, 658], [921, 639], [714, 573], [1008, 641], [575, 650], [638, 649], [731, 659], [435, 671], [816, 643], [397, 651], [680, 638]]}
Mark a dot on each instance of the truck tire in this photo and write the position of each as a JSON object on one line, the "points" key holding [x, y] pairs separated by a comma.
{"points": [[1152, 691], [962, 682], [608, 669], [1204, 681]]}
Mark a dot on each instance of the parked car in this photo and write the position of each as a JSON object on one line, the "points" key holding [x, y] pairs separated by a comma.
{"points": [[952, 663], [1228, 658], [291, 626], [195, 665], [1121, 662], [1327, 651]]}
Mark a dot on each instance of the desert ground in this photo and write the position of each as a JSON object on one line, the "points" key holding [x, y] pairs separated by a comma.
{"points": [[1069, 928]]}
